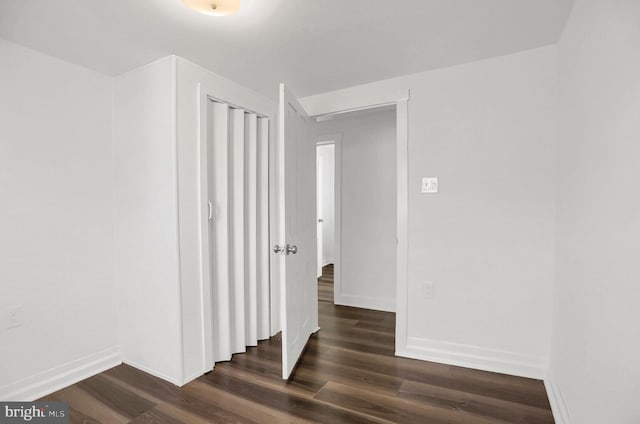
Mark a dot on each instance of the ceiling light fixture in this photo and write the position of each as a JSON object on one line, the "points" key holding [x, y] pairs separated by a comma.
{"points": [[214, 7]]}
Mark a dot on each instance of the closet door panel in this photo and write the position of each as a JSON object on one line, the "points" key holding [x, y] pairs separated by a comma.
{"points": [[219, 194], [251, 298], [236, 220], [263, 250]]}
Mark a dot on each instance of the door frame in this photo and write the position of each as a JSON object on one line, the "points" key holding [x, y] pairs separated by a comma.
{"points": [[319, 215], [205, 98], [316, 106], [339, 102], [336, 140]]}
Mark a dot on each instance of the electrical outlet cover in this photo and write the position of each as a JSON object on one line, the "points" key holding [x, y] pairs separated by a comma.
{"points": [[14, 316], [428, 290]]}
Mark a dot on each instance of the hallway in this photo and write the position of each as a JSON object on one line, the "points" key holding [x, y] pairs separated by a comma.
{"points": [[325, 284]]}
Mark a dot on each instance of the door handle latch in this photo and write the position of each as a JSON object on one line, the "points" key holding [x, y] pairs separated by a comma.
{"points": [[287, 249], [293, 249]]}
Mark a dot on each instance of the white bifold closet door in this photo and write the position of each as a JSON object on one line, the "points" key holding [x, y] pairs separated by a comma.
{"points": [[238, 162]]}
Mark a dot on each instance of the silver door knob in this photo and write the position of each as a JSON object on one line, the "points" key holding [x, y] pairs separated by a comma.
{"points": [[278, 249], [293, 249]]}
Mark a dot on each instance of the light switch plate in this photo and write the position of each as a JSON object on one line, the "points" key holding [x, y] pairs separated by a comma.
{"points": [[430, 184]]}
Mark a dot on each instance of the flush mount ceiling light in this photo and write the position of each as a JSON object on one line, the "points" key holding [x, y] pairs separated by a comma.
{"points": [[214, 7]]}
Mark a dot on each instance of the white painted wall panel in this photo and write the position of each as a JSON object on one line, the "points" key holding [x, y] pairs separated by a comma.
{"points": [[56, 222], [146, 204], [596, 343], [488, 130]]}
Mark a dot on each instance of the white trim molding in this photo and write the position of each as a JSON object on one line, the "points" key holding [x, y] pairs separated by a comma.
{"points": [[154, 373], [402, 221], [366, 302], [189, 379], [476, 357], [335, 102], [54, 379], [558, 405]]}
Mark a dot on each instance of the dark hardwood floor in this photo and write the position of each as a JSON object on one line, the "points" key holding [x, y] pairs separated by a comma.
{"points": [[325, 284], [348, 374]]}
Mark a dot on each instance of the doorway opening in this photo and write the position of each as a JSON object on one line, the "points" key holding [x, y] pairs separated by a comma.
{"points": [[325, 207], [293, 221], [356, 179], [235, 239]]}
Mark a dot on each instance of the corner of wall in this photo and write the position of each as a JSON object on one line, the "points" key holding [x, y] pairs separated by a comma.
{"points": [[558, 405], [176, 195]]}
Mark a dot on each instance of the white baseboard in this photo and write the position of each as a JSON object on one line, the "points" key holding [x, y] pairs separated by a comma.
{"points": [[558, 405], [54, 379], [189, 379], [476, 357], [153, 372], [375, 303]]}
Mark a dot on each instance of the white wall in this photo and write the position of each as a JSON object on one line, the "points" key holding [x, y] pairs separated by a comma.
{"points": [[487, 130], [327, 154], [595, 372], [147, 219], [57, 223], [367, 265], [92, 172], [160, 210]]}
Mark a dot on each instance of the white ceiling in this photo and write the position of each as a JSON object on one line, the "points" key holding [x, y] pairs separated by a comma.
{"points": [[313, 45]]}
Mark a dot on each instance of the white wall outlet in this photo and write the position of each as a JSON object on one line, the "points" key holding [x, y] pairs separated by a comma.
{"points": [[427, 290], [14, 316], [430, 185]]}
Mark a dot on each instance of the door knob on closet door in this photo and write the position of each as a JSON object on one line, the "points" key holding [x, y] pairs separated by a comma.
{"points": [[277, 249], [293, 249]]}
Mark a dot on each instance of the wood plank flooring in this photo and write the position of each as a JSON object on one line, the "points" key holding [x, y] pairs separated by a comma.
{"points": [[325, 284], [348, 374]]}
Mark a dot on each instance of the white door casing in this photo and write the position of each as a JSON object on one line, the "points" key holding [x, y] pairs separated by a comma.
{"points": [[319, 209], [297, 228]]}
